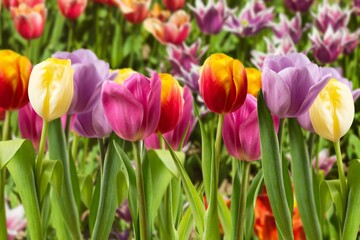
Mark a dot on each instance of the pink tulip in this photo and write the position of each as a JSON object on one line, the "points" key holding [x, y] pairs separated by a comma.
{"points": [[331, 15], [186, 123], [133, 108], [241, 131], [288, 27], [350, 41], [29, 21], [15, 221], [15, 3], [72, 9], [325, 161], [30, 125], [135, 11]]}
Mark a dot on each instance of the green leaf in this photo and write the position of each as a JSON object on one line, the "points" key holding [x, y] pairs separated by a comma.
{"points": [[19, 158], [95, 203], [235, 199], [186, 225], [122, 188], [352, 218], [301, 171], [52, 173], [272, 167], [225, 217], [86, 189], [287, 184]]}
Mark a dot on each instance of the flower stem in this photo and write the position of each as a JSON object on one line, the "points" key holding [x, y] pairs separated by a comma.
{"points": [[140, 192], [41, 149], [343, 186], [245, 171], [102, 151]]}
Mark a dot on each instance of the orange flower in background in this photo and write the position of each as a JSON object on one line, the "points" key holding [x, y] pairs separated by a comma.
{"points": [[265, 226], [72, 9], [254, 81], [135, 11], [158, 13], [29, 21], [14, 79], [174, 5], [174, 31]]}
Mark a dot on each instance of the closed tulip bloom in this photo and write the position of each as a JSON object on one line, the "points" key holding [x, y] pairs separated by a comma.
{"points": [[135, 11], [332, 112], [30, 125], [29, 21], [72, 9], [223, 83], [51, 88], [174, 5], [254, 81], [133, 108], [14, 79], [299, 5]]}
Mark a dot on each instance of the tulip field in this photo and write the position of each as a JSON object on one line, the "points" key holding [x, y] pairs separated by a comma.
{"points": [[176, 120]]}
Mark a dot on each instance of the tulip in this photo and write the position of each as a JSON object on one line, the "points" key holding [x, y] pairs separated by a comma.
{"points": [[90, 73], [174, 31], [158, 13], [290, 84], [123, 74], [174, 5], [133, 108], [325, 161], [135, 11], [328, 47], [288, 27], [2, 114], [72, 9], [29, 21], [51, 88], [254, 81], [185, 125], [251, 20], [350, 41], [15, 3], [299, 5], [332, 112], [210, 18], [15, 221], [14, 78], [356, 6], [331, 15], [223, 83], [30, 125], [108, 2]]}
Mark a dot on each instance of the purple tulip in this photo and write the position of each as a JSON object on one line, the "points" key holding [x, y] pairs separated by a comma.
{"points": [[30, 125], [90, 72], [350, 41], [288, 27], [210, 18], [327, 48], [325, 161], [299, 5], [251, 20], [133, 108], [331, 15], [290, 84], [241, 131], [356, 6], [185, 63], [186, 123], [15, 221]]}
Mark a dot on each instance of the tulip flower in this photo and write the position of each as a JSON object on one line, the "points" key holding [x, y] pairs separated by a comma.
{"points": [[14, 78], [185, 125], [254, 81], [332, 112], [174, 5], [223, 83], [299, 5], [29, 21], [51, 88], [210, 18], [331, 15], [290, 84], [133, 108], [123, 74], [30, 125], [72, 9], [90, 73], [15, 221], [328, 47], [135, 11], [325, 161], [288, 27], [174, 31], [251, 20], [157, 12], [2, 114], [15, 3], [350, 41], [108, 2], [356, 6]]}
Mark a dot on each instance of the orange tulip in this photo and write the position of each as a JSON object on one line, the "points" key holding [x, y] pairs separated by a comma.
{"points": [[135, 11], [158, 13], [254, 81]]}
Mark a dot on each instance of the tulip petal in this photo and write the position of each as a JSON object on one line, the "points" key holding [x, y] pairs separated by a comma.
{"points": [[230, 136], [249, 135]]}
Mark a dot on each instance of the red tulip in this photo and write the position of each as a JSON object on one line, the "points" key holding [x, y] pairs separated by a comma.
{"points": [[72, 9], [2, 114], [174, 5], [135, 11]]}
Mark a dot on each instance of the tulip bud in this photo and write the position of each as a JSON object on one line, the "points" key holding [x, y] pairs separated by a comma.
{"points": [[174, 5], [135, 11], [14, 79], [51, 88], [254, 81], [332, 112], [29, 21], [30, 125], [223, 83], [72, 9]]}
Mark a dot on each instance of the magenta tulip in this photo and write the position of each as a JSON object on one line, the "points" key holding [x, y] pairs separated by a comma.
{"points": [[30, 125]]}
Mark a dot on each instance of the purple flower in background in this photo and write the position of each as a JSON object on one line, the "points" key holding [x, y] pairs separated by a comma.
{"points": [[325, 161], [210, 18], [90, 72], [331, 15], [290, 84], [186, 123], [327, 47], [30, 125], [288, 27], [185, 63], [356, 6], [299, 5], [252, 19], [350, 41], [15, 221]]}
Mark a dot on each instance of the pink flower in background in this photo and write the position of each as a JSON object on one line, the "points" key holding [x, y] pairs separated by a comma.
{"points": [[350, 41], [72, 9], [135, 11], [331, 15], [288, 27], [174, 31], [108, 2], [15, 3], [356, 6], [15, 221], [174, 5], [325, 161], [327, 47], [299, 5], [29, 21], [30, 125], [251, 20]]}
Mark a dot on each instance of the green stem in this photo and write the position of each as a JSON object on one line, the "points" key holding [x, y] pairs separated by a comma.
{"points": [[280, 134], [83, 159], [245, 172], [140, 192], [102, 151], [41, 149], [161, 141], [70, 37], [6, 127], [74, 147], [343, 186]]}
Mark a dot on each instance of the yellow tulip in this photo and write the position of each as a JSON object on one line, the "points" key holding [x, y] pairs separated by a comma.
{"points": [[254, 81], [333, 110], [51, 88]]}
